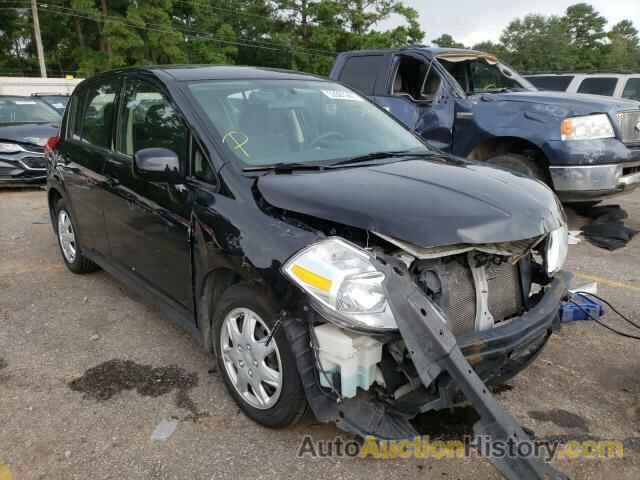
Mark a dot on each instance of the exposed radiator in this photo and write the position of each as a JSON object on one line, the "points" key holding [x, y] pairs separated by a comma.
{"points": [[450, 283]]}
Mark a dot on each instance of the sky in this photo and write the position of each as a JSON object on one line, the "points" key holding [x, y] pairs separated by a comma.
{"points": [[473, 21]]}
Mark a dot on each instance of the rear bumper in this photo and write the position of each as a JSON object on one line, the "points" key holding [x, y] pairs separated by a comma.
{"points": [[500, 353]]}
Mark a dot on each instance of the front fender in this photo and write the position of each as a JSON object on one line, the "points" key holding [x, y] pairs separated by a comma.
{"points": [[486, 120]]}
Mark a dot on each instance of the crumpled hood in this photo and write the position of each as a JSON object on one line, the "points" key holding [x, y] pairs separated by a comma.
{"points": [[427, 203], [32, 133], [569, 103]]}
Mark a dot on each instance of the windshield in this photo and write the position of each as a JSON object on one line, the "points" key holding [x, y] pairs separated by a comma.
{"points": [[56, 101], [268, 122], [26, 110], [480, 75]]}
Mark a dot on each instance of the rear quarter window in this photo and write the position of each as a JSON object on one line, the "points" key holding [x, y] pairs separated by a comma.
{"points": [[553, 83], [598, 86], [360, 72]]}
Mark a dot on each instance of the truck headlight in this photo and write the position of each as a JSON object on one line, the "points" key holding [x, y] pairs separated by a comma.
{"points": [[557, 249], [343, 283], [589, 127], [10, 148]]}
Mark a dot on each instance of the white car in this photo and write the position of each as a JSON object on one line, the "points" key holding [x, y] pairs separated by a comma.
{"points": [[608, 84]]}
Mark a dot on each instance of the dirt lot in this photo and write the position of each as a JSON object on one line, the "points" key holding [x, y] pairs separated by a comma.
{"points": [[61, 418]]}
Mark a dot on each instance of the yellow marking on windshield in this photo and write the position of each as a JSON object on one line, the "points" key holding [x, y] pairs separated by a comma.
{"points": [[239, 140]]}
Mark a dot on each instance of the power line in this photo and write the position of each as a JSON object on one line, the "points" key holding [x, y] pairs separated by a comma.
{"points": [[57, 9]]}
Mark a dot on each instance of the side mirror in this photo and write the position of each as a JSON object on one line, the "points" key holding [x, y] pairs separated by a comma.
{"points": [[157, 165]]}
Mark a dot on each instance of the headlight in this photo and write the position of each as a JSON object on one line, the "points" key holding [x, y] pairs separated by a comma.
{"points": [[590, 127], [344, 284], [10, 148], [557, 249]]}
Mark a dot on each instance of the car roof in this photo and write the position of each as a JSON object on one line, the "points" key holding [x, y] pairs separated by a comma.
{"points": [[218, 72], [431, 51]]}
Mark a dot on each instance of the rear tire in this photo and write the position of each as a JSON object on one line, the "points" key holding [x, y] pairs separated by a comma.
{"points": [[245, 366], [521, 164], [70, 248]]}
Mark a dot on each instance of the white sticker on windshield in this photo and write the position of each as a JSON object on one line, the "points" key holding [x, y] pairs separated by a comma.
{"points": [[342, 95], [24, 102]]}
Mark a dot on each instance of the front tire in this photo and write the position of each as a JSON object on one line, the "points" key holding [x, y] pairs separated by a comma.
{"points": [[521, 164], [263, 380], [70, 248]]}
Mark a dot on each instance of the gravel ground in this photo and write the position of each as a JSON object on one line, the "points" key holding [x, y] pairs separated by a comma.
{"points": [[87, 373]]}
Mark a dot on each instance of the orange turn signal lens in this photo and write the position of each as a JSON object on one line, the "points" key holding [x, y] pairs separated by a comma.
{"points": [[566, 128]]}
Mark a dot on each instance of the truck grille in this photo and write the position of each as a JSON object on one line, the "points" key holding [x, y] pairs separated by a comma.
{"points": [[629, 123], [455, 291]]}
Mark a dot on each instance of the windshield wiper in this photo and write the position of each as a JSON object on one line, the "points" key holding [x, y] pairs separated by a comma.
{"points": [[284, 167], [381, 155]]}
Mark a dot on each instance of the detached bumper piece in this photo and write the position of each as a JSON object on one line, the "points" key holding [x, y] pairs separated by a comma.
{"points": [[434, 350], [352, 415]]}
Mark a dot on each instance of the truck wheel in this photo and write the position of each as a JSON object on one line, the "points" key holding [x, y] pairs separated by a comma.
{"points": [[521, 164], [70, 248], [263, 380]]}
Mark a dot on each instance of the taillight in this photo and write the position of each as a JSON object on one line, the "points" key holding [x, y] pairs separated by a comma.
{"points": [[51, 143]]}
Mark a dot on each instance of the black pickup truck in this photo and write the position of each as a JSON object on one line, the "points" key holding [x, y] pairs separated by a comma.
{"points": [[466, 102]]}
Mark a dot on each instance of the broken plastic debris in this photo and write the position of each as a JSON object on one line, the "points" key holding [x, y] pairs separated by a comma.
{"points": [[591, 288], [574, 237], [164, 430]]}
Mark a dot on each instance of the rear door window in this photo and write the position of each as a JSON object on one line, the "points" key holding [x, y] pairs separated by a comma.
{"points": [[553, 83], [360, 72], [96, 113], [598, 86], [632, 89]]}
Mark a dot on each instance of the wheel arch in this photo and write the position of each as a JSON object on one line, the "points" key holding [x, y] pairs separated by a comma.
{"points": [[53, 195], [494, 146], [214, 284]]}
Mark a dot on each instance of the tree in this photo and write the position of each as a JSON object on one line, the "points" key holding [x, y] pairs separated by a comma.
{"points": [[496, 49], [446, 41], [623, 50], [538, 43], [585, 28]]}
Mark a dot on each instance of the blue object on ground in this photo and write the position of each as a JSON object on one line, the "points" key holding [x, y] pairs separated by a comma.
{"points": [[569, 312]]}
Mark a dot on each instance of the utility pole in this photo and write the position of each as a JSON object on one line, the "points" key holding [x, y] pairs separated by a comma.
{"points": [[36, 31]]}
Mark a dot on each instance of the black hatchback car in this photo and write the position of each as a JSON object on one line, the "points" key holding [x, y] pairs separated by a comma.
{"points": [[317, 247]]}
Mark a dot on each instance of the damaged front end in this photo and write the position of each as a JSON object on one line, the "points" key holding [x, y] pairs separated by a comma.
{"points": [[387, 330]]}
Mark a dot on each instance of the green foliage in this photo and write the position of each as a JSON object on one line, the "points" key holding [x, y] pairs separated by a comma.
{"points": [[446, 41], [87, 36], [576, 41]]}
